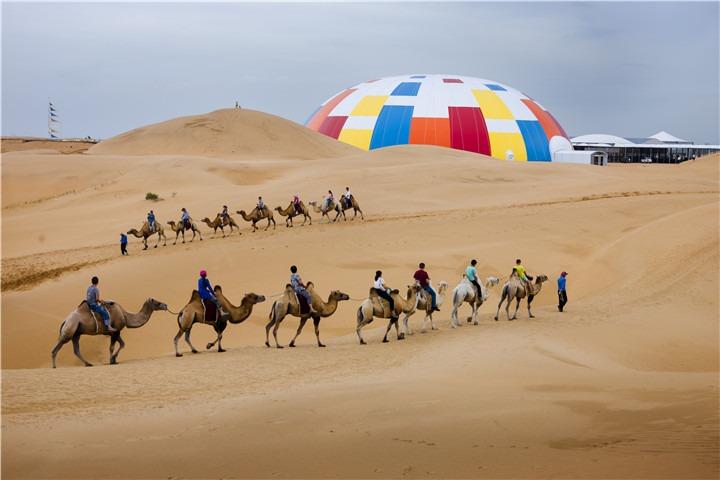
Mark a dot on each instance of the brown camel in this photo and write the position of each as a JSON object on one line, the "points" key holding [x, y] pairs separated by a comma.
{"points": [[342, 206], [194, 312], [179, 229], [331, 207], [82, 321], [516, 289], [257, 215], [221, 223], [374, 306], [145, 232], [290, 212], [288, 304]]}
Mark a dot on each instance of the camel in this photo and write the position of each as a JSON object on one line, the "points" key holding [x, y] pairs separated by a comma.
{"points": [[257, 215], [194, 312], [179, 228], [516, 289], [465, 292], [374, 306], [290, 212], [342, 206], [288, 304], [81, 321], [332, 207], [145, 232], [424, 304], [221, 223]]}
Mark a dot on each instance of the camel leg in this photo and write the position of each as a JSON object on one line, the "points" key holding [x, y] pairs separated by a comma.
{"points": [[474, 314], [362, 217], [300, 327], [273, 222], [164, 239], [517, 306], [193, 237], [400, 335], [406, 324], [361, 322], [390, 323], [113, 360], [145, 243], [183, 235], [277, 344], [113, 339], [176, 237], [62, 341], [187, 340], [76, 349], [316, 322], [529, 300], [217, 340], [502, 299], [175, 341], [158, 240]]}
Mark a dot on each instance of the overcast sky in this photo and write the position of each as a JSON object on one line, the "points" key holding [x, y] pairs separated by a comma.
{"points": [[629, 69]]}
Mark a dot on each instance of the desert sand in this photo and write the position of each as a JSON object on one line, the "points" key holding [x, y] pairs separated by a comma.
{"points": [[623, 384]]}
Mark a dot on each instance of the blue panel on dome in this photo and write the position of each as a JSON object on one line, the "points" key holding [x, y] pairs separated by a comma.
{"points": [[417, 76], [407, 89], [392, 126], [536, 143], [495, 87]]}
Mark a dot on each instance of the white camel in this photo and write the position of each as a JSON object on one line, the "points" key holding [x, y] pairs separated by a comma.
{"points": [[424, 304], [465, 292]]}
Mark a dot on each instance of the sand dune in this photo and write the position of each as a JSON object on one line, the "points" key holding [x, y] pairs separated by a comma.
{"points": [[23, 144], [228, 133], [623, 384]]}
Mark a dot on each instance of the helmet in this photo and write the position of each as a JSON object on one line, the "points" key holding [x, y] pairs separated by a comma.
{"points": [[203, 273]]}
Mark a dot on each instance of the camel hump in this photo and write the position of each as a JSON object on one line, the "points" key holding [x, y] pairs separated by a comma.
{"points": [[194, 297], [218, 288], [373, 292], [394, 291], [309, 285]]}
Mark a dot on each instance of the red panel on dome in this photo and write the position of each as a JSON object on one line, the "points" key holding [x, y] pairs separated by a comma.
{"points": [[468, 130], [430, 131], [332, 126], [551, 127], [319, 118], [452, 80]]}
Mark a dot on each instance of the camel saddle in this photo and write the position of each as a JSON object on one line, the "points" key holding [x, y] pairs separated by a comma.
{"points": [[212, 314], [380, 303]]}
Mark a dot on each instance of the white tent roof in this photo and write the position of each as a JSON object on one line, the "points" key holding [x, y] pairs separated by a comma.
{"points": [[666, 137], [602, 138]]}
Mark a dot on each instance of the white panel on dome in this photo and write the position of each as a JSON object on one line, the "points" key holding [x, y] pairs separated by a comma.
{"points": [[514, 103], [457, 95], [358, 122], [502, 126]]}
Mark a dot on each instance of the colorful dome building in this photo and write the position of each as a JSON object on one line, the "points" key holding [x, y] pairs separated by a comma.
{"points": [[454, 111]]}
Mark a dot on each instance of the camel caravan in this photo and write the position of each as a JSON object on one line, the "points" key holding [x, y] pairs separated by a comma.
{"points": [[210, 306], [260, 213]]}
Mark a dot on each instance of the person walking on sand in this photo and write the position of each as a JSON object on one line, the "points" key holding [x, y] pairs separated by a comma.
{"points": [[423, 279], [123, 244], [93, 300], [562, 291]]}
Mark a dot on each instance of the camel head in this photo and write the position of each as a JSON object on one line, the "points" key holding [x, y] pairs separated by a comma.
{"points": [[253, 298], [156, 305], [492, 281], [312, 202], [541, 278], [338, 296], [133, 231], [279, 209], [171, 223], [240, 212], [442, 287], [206, 220]]}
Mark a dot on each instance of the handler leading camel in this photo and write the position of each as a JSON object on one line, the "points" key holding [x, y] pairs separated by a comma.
{"points": [[81, 321]]}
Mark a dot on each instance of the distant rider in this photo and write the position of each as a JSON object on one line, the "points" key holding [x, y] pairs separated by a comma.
{"points": [[151, 221], [347, 197], [471, 274], [423, 279], [299, 287], [185, 219]]}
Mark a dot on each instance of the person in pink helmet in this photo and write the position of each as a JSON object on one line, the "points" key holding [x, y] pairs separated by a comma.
{"points": [[206, 290]]}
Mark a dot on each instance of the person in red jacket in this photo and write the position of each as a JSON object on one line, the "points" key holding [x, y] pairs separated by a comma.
{"points": [[423, 279]]}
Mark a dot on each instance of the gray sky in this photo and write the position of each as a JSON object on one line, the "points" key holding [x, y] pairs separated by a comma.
{"points": [[629, 69]]}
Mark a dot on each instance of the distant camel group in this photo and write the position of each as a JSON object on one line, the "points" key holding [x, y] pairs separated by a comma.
{"points": [[82, 321], [256, 215]]}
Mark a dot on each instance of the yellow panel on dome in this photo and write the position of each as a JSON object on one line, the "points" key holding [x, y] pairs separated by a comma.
{"points": [[357, 138], [491, 105], [370, 105], [500, 143]]}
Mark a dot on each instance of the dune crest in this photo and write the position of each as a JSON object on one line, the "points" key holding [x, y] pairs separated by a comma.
{"points": [[236, 133]]}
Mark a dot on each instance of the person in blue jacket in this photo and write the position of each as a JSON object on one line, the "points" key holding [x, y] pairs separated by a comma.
{"points": [[562, 291], [206, 290], [123, 244], [151, 221]]}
